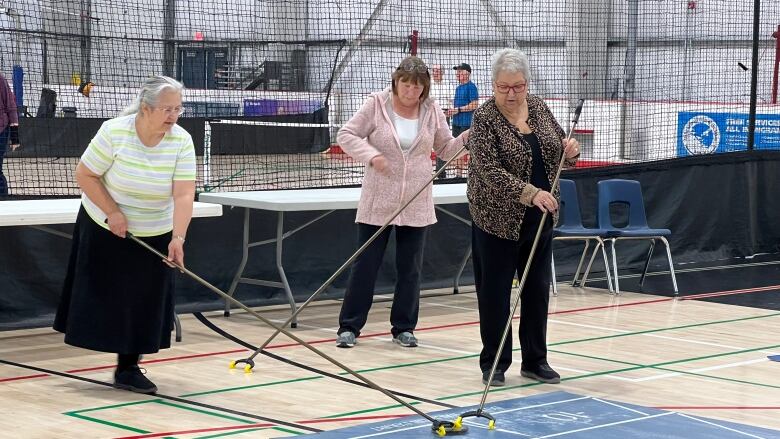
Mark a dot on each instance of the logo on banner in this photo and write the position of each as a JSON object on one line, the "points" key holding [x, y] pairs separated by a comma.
{"points": [[701, 135]]}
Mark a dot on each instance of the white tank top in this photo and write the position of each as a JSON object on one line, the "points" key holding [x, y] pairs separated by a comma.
{"points": [[406, 129]]}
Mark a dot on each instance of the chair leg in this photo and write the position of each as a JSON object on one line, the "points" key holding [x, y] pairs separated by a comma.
{"points": [[599, 246], [590, 264], [177, 326], [579, 266], [554, 283], [647, 263], [615, 268], [671, 264], [610, 284]]}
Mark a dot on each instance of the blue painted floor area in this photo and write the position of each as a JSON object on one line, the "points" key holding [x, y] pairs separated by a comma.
{"points": [[562, 415]]}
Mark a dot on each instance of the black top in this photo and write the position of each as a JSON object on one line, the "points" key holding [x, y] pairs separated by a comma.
{"points": [[533, 215]]}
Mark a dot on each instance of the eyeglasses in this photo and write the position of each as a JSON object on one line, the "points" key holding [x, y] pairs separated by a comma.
{"points": [[419, 68], [504, 89], [177, 111]]}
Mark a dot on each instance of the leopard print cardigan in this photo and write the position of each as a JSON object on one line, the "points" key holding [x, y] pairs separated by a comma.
{"points": [[499, 188]]}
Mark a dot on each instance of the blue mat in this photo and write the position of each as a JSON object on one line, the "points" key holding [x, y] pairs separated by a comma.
{"points": [[562, 415]]}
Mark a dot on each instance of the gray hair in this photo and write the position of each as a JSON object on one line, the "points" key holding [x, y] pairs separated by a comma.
{"points": [[512, 61], [150, 92]]}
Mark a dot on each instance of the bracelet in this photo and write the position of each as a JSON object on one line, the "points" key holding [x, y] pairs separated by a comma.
{"points": [[179, 237]]}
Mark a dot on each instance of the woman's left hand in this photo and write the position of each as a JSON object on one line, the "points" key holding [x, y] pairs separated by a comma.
{"points": [[571, 148], [465, 135], [175, 253]]}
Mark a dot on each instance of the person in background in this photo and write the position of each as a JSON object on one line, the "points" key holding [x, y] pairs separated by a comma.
{"points": [[465, 102], [137, 176], [9, 127], [394, 133]]}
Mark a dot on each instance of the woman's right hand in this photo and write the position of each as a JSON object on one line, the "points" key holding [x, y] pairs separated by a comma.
{"points": [[379, 163], [545, 201], [117, 223]]}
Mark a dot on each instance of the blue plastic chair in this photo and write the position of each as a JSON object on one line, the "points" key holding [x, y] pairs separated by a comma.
{"points": [[571, 228], [629, 192]]}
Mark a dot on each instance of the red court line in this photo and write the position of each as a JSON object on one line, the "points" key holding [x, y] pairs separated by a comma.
{"points": [[732, 292], [619, 305], [429, 328], [353, 418], [23, 377], [249, 426], [200, 430]]}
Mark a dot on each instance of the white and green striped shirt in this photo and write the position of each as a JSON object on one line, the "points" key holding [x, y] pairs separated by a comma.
{"points": [[139, 178]]}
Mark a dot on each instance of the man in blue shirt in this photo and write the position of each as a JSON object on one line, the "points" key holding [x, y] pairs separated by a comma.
{"points": [[465, 102]]}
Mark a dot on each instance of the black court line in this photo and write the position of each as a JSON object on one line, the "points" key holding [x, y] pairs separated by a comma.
{"points": [[237, 340], [168, 397]]}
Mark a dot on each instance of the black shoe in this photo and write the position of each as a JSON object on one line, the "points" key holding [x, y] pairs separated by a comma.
{"points": [[542, 372], [498, 378], [133, 379]]}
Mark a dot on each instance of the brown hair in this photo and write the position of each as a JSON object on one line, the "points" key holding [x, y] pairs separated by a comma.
{"points": [[413, 69]]}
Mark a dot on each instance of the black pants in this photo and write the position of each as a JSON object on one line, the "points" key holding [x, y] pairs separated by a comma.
{"points": [[495, 262], [409, 242], [456, 131]]}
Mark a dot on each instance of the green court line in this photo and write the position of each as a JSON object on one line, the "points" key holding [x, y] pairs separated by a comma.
{"points": [[252, 386], [108, 423], [610, 372], [448, 359], [360, 412], [659, 366], [206, 412], [418, 363], [648, 331], [684, 360], [126, 404], [634, 366], [219, 415], [673, 328]]}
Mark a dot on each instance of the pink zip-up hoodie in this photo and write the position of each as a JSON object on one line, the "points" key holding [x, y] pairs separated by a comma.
{"points": [[369, 133]]}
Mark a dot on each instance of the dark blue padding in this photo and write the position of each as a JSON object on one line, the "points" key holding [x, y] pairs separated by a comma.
{"points": [[630, 193], [571, 225]]}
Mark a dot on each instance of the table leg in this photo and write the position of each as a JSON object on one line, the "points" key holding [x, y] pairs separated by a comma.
{"points": [[244, 258], [287, 290]]}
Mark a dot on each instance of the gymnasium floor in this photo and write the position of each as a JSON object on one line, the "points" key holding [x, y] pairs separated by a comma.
{"points": [[691, 356]]}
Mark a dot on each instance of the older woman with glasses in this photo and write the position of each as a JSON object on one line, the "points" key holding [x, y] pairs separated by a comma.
{"points": [[516, 145], [394, 133], [137, 176]]}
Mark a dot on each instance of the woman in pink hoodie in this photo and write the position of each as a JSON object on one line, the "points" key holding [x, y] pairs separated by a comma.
{"points": [[393, 133]]}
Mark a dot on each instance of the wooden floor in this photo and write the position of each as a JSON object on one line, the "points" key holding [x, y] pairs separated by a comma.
{"points": [[685, 355]]}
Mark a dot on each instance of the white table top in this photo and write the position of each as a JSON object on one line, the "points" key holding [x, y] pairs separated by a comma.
{"points": [[318, 199], [64, 211]]}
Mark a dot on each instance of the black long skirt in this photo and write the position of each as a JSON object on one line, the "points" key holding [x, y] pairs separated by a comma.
{"points": [[118, 296]]}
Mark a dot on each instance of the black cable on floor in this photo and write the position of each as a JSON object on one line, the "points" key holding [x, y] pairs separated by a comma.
{"points": [[235, 339]]}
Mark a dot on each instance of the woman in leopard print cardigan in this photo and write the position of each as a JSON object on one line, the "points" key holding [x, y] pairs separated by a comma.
{"points": [[515, 146]]}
